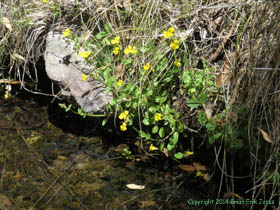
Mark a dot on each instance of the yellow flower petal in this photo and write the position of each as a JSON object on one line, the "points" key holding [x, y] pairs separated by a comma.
{"points": [[152, 147], [188, 153], [146, 66], [123, 115], [171, 30], [6, 96], [133, 50], [126, 51], [123, 127], [116, 40], [84, 54], [157, 117], [120, 82], [167, 34], [199, 173], [177, 62], [238, 196], [84, 77], [174, 45], [116, 50], [66, 32]]}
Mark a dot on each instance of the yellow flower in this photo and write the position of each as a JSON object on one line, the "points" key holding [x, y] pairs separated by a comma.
{"points": [[199, 173], [169, 33], [84, 54], [152, 147], [116, 40], [130, 49], [66, 32], [123, 127], [123, 115], [174, 45], [84, 77], [238, 196], [177, 62], [119, 83], [146, 66], [44, 1], [158, 117], [6, 96], [134, 50], [127, 50], [188, 153], [116, 50]]}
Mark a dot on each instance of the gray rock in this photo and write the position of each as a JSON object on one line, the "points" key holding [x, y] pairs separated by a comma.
{"points": [[65, 68]]}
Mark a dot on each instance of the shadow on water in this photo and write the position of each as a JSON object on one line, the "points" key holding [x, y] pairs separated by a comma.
{"points": [[70, 162]]}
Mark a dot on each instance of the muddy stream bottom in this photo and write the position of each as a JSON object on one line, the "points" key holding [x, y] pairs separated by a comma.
{"points": [[44, 167]]}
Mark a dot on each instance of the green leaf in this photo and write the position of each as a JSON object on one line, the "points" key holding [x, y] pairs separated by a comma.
{"points": [[134, 105], [203, 98], [211, 125], [192, 90], [152, 109], [172, 121], [107, 28], [180, 127], [155, 129], [161, 132], [157, 99], [104, 122], [146, 121], [179, 155], [106, 41], [126, 61], [68, 108], [100, 35], [169, 147], [164, 93], [63, 106], [162, 99], [145, 135], [202, 119], [112, 102], [217, 135], [161, 146], [175, 138], [150, 92], [193, 103]]}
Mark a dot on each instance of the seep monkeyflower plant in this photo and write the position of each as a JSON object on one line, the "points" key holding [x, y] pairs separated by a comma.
{"points": [[119, 83], [174, 45], [169, 33], [66, 32], [116, 50], [145, 97], [177, 62], [116, 40], [146, 66], [130, 50], [84, 77], [84, 54]]}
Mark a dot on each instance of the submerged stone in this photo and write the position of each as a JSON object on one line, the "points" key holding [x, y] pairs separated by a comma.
{"points": [[65, 68]]}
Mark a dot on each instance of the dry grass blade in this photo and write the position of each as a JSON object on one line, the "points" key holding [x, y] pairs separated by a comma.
{"points": [[265, 135], [135, 186], [119, 71], [199, 167], [188, 168], [7, 23]]}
